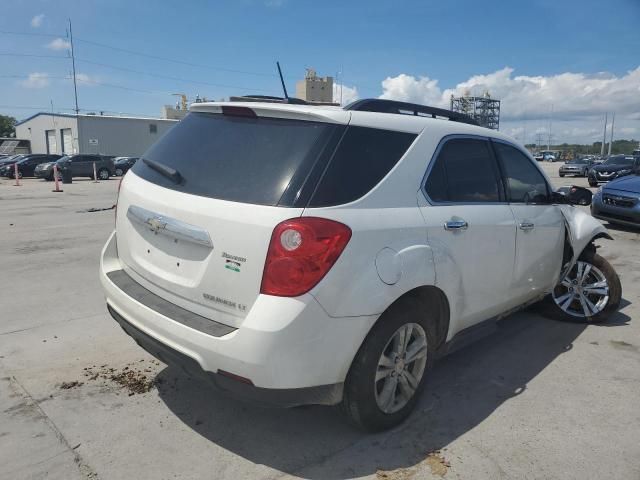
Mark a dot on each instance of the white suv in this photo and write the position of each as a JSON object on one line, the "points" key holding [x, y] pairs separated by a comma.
{"points": [[296, 254]]}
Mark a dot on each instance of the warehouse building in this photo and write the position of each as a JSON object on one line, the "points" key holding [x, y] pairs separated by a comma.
{"points": [[106, 135]]}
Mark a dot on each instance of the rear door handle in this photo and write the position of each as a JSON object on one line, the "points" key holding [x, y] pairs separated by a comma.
{"points": [[456, 225], [527, 226]]}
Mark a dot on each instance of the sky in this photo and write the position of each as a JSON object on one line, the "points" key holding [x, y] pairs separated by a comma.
{"points": [[556, 65]]}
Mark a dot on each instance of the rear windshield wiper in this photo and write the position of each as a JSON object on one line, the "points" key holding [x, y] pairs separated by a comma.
{"points": [[171, 173]]}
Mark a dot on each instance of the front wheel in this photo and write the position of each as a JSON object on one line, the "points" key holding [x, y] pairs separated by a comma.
{"points": [[561, 174], [118, 172], [103, 174], [589, 293], [593, 184], [388, 372]]}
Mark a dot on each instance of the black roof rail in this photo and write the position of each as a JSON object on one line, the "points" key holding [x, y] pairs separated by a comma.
{"points": [[269, 98], [405, 108]]}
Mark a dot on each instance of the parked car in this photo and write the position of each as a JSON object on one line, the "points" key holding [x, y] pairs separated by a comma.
{"points": [[28, 163], [618, 201], [297, 254], [7, 164], [579, 167], [612, 168], [123, 164], [82, 165], [44, 171], [579, 195]]}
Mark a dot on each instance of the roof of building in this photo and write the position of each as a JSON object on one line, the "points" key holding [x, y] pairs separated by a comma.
{"points": [[70, 115]]}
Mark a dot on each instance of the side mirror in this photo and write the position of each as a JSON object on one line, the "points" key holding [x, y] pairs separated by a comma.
{"points": [[573, 195]]}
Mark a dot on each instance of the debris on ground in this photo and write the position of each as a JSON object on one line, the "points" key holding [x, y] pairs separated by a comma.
{"points": [[69, 385], [133, 379], [436, 462]]}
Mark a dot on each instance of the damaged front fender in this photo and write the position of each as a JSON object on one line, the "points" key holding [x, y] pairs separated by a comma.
{"points": [[582, 229]]}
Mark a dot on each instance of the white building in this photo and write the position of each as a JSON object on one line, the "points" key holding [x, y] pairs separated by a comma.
{"points": [[106, 135], [314, 88]]}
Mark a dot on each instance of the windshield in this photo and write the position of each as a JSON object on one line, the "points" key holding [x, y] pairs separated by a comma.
{"points": [[581, 161], [619, 161]]}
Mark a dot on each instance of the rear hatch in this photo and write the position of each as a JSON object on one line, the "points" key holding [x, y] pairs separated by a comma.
{"points": [[195, 215]]}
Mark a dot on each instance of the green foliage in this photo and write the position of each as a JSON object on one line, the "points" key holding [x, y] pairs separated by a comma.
{"points": [[7, 126], [619, 147]]}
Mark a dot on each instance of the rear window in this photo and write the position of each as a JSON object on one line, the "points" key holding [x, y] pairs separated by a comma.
{"points": [[364, 156], [240, 159]]}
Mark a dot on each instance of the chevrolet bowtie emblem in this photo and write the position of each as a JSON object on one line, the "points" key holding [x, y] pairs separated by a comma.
{"points": [[156, 224]]}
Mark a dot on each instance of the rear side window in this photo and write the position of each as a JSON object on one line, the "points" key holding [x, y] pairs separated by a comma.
{"points": [[524, 182], [364, 156], [464, 171], [240, 159]]}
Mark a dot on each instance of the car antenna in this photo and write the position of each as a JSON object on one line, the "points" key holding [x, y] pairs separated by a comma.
{"points": [[286, 95]]}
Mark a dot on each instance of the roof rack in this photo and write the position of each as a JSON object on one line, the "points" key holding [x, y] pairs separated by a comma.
{"points": [[405, 108], [268, 99]]}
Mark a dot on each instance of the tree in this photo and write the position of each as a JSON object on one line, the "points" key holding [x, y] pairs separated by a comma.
{"points": [[7, 126]]}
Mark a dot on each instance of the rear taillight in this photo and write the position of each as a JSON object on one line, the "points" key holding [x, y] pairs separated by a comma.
{"points": [[301, 252], [115, 206]]}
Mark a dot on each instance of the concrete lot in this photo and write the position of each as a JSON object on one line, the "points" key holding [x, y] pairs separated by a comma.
{"points": [[539, 399]]}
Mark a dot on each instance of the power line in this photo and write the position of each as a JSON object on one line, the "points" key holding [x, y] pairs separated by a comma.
{"points": [[173, 60], [33, 55], [46, 110], [91, 82], [31, 34], [156, 75]]}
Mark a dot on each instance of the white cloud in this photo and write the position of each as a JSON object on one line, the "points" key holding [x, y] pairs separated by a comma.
{"points": [[58, 44], [348, 94], [36, 80], [37, 20], [85, 79], [579, 100], [411, 89]]}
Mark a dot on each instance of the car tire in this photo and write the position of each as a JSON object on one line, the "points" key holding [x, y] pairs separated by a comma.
{"points": [[364, 392], [118, 172], [561, 175], [601, 270], [103, 174], [593, 184]]}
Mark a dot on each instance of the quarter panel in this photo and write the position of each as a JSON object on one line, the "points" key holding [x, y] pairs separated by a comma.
{"points": [[353, 287]]}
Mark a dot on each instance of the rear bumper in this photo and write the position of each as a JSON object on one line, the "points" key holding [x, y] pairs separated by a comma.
{"points": [[283, 397], [289, 348]]}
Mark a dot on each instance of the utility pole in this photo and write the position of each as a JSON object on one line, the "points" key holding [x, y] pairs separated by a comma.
{"points": [[604, 136], [613, 121], [73, 63], [549, 138]]}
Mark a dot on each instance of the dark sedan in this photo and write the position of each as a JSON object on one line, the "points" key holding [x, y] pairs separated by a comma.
{"points": [[28, 163], [123, 164], [619, 201], [579, 167], [7, 164], [612, 168]]}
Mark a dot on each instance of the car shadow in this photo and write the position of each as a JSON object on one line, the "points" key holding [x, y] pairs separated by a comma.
{"points": [[622, 228], [461, 391]]}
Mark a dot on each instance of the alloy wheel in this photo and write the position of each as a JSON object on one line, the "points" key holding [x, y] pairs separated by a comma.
{"points": [[584, 291], [104, 175], [401, 368]]}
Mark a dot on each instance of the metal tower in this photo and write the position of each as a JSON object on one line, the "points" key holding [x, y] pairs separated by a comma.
{"points": [[485, 110]]}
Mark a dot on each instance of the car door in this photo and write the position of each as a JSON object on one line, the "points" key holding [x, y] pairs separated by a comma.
{"points": [[540, 224], [29, 166], [470, 228]]}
